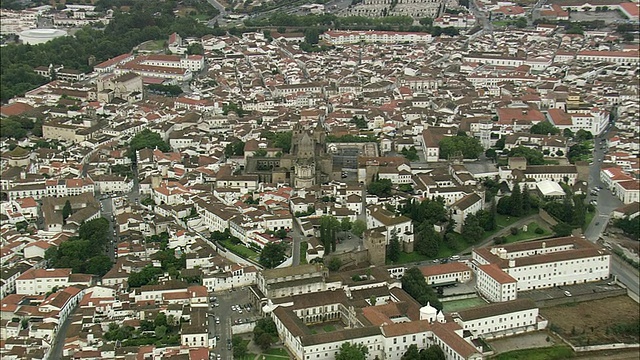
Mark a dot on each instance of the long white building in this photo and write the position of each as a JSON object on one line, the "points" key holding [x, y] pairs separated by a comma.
{"points": [[546, 263]]}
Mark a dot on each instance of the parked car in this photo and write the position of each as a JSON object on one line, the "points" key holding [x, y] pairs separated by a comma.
{"points": [[566, 293]]}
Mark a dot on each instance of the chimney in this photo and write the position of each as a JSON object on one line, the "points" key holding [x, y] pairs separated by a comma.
{"points": [[512, 263]]}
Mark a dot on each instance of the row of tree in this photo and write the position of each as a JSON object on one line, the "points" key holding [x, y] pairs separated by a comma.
{"points": [[84, 253], [18, 127]]}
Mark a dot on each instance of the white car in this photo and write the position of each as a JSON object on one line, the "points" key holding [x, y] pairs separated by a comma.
{"points": [[566, 293]]}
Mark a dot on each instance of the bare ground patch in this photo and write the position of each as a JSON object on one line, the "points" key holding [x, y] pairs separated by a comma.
{"points": [[604, 321]]}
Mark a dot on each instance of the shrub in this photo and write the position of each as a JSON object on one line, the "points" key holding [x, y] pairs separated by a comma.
{"points": [[499, 240], [514, 231], [539, 231]]}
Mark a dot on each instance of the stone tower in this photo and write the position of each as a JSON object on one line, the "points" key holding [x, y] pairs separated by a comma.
{"points": [[311, 164], [375, 243]]}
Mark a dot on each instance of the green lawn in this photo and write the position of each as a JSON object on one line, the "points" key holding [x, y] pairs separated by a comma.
{"points": [[408, 258], [273, 357], [241, 250], [550, 353], [456, 305], [153, 45], [588, 218], [277, 352], [529, 234], [329, 328]]}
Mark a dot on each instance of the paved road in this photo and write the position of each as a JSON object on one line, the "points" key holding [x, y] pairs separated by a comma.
{"points": [[227, 317], [61, 335], [625, 273], [506, 231]]}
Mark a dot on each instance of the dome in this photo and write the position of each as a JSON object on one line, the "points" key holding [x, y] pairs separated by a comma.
{"points": [[428, 312], [40, 36]]}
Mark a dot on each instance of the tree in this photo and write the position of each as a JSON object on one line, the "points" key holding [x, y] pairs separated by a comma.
{"points": [[146, 139], [394, 248], [414, 283], [98, 265], [567, 133], [428, 241], [583, 135], [562, 229], [359, 121], [350, 351], [264, 341], [239, 347], [358, 227], [273, 254], [195, 49], [281, 233], [631, 227], [491, 154], [329, 227], [469, 147], [433, 352], [160, 331], [345, 224], [471, 229], [260, 153], [381, 188], [544, 128], [534, 157], [412, 353], [235, 148], [410, 154], [334, 264], [521, 22], [517, 208], [66, 210]]}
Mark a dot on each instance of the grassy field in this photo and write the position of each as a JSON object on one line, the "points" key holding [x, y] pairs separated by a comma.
{"points": [[329, 328], [153, 45], [241, 250], [529, 234], [550, 353], [406, 258], [277, 352], [603, 321], [456, 305], [587, 219]]}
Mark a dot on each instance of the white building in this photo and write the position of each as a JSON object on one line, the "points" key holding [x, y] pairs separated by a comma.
{"points": [[446, 274], [501, 319], [547, 263], [40, 281], [494, 284]]}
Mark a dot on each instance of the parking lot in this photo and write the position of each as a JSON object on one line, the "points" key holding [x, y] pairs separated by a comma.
{"points": [[569, 291], [222, 317]]}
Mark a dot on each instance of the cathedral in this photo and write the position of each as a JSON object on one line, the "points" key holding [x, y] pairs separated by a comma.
{"points": [[306, 165]]}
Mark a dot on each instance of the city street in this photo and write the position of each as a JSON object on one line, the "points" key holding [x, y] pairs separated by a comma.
{"points": [[226, 299], [607, 202]]}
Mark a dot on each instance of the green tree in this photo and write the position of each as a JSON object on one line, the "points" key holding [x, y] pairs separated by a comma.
{"points": [[66, 210], [334, 264], [567, 133], [239, 347], [235, 148], [359, 121], [381, 188], [358, 227], [583, 135], [428, 241], [433, 352], [350, 351], [273, 254], [329, 227], [160, 331], [195, 49], [345, 224], [562, 229], [631, 227], [544, 128], [469, 147], [517, 208], [98, 265], [471, 229], [281, 233], [146, 139], [393, 253], [413, 282], [410, 154], [534, 157]]}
